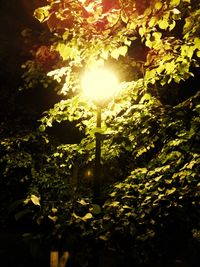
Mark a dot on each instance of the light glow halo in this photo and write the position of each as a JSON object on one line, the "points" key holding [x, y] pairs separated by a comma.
{"points": [[99, 84]]}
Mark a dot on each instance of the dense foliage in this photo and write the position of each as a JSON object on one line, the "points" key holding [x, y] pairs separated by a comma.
{"points": [[151, 131]]}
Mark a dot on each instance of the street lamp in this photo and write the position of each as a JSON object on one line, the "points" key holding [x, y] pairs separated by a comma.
{"points": [[99, 85]]}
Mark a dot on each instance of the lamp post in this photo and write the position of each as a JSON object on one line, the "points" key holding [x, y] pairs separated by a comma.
{"points": [[99, 85]]}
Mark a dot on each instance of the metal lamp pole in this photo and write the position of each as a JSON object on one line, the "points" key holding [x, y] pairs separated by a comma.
{"points": [[99, 84], [97, 170]]}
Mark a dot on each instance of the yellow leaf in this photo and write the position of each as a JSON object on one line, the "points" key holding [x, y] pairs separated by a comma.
{"points": [[198, 53], [141, 31], [35, 200], [197, 42], [163, 24], [123, 50], [170, 191], [115, 53], [87, 216], [147, 11], [174, 2], [53, 218], [158, 5], [42, 13]]}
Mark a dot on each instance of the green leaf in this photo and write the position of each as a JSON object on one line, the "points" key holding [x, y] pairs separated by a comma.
{"points": [[197, 108], [96, 209], [42, 128]]}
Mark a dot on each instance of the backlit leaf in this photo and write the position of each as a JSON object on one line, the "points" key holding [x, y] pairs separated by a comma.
{"points": [[35, 200], [170, 191]]}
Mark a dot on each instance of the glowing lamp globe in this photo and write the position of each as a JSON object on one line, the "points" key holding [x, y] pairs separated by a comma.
{"points": [[99, 84]]}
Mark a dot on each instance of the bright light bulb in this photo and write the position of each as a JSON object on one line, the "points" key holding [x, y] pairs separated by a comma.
{"points": [[99, 84]]}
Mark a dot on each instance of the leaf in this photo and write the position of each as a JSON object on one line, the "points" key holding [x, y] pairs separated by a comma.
{"points": [[158, 5], [103, 237], [115, 53], [114, 204], [42, 128], [113, 18], [157, 36], [141, 31], [42, 13], [64, 50], [87, 216], [197, 108], [146, 97], [124, 17], [123, 50], [170, 191], [96, 209], [53, 218], [35, 200], [198, 53], [152, 21], [163, 24], [82, 202], [176, 11], [197, 42], [147, 11], [174, 3], [54, 210]]}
